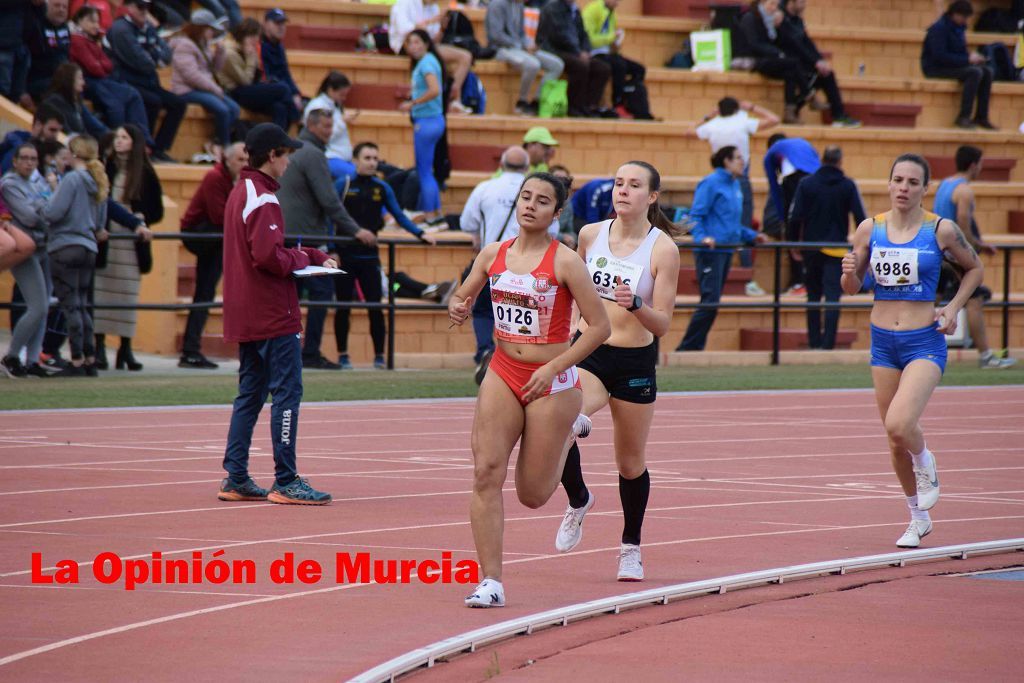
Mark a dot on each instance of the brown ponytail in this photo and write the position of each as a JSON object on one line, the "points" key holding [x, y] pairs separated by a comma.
{"points": [[87, 149], [655, 215]]}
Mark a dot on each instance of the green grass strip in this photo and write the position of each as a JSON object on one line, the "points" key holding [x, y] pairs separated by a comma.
{"points": [[122, 389]]}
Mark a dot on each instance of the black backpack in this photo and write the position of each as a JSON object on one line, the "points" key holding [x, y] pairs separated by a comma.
{"points": [[459, 32]]}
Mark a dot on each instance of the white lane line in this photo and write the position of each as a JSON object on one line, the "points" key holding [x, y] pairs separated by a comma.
{"points": [[145, 589]]}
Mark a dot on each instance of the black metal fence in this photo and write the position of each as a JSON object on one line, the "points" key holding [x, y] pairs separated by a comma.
{"points": [[392, 306]]}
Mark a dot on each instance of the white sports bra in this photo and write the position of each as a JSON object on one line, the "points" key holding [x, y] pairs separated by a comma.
{"points": [[634, 270]]}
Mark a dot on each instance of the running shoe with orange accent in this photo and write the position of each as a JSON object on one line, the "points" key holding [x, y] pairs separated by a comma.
{"points": [[299, 492], [247, 490]]}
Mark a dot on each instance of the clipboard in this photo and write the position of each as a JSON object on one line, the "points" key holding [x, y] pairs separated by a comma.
{"points": [[317, 271]]}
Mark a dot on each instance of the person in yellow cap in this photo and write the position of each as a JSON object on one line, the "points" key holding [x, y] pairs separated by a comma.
{"points": [[540, 145]]}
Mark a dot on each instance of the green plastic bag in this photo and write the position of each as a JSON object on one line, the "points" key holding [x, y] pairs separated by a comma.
{"points": [[712, 50], [554, 99]]}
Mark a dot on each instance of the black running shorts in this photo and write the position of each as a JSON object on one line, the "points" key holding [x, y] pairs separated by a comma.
{"points": [[628, 374]]}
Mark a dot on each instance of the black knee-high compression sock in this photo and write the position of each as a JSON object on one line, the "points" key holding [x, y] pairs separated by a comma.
{"points": [[572, 478], [634, 494]]}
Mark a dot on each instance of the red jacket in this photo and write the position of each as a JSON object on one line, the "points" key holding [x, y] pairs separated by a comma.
{"points": [[90, 56], [207, 204], [260, 298]]}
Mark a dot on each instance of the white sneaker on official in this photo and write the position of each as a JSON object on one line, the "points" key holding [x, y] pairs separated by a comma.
{"points": [[927, 486], [631, 567], [754, 289], [917, 530], [490, 593], [582, 426], [570, 531]]}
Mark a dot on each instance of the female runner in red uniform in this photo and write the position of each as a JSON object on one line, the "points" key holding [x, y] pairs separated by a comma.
{"points": [[532, 388]]}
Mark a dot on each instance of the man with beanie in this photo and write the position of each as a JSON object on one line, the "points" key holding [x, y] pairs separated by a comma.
{"points": [[261, 313]]}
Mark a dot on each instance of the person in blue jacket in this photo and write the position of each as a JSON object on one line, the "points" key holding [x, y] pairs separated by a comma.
{"points": [[786, 163], [592, 203], [717, 207]]}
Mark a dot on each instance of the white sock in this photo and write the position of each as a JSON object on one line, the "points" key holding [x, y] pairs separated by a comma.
{"points": [[924, 458], [915, 513]]}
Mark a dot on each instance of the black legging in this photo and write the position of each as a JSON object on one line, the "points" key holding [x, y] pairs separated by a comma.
{"points": [[790, 71], [367, 271], [73, 269]]}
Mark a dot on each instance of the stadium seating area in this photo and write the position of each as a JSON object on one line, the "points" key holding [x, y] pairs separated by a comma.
{"points": [[873, 44]]}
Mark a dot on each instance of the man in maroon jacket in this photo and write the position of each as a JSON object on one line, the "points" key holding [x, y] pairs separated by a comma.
{"points": [[261, 313], [205, 213]]}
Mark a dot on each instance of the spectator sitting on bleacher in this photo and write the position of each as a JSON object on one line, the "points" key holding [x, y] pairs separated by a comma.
{"points": [[48, 37], [794, 38], [228, 10], [560, 31], [366, 197], [758, 38], [408, 15], [47, 124], [790, 159], [606, 40], [331, 97], [505, 33], [240, 77], [273, 59], [822, 207], [14, 55], [205, 213], [138, 51], [311, 207], [731, 124], [540, 146], [65, 95], [105, 12], [945, 55], [196, 60], [119, 102]]}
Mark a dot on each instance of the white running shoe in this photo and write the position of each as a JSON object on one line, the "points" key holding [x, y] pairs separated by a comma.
{"points": [[582, 426], [754, 289], [490, 593], [927, 486], [917, 530], [570, 531], [631, 568]]}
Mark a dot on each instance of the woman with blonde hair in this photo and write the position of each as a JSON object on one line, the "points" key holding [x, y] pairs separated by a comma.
{"points": [[75, 214]]}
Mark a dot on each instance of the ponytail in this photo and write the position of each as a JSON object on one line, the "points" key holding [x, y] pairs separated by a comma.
{"points": [[87, 149], [655, 215]]}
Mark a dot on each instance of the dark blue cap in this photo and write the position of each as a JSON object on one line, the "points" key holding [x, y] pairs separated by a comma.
{"points": [[276, 15]]}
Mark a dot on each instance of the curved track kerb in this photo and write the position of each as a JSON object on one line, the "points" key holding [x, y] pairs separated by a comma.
{"points": [[469, 641]]}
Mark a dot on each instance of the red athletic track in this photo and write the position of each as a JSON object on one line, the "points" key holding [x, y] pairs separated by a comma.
{"points": [[740, 482]]}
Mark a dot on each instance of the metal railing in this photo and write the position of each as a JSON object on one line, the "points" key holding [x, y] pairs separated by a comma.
{"points": [[392, 306]]}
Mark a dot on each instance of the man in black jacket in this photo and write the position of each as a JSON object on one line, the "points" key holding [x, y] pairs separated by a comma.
{"points": [[48, 38], [560, 31], [137, 51], [821, 209], [944, 55], [794, 38], [758, 38]]}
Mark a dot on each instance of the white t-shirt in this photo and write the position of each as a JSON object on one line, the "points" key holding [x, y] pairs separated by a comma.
{"points": [[405, 14], [735, 130], [490, 204]]}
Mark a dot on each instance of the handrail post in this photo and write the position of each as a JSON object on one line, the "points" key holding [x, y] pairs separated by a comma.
{"points": [[1006, 297], [776, 312], [391, 305]]}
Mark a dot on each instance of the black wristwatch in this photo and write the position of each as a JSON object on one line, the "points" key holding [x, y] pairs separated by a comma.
{"points": [[637, 303]]}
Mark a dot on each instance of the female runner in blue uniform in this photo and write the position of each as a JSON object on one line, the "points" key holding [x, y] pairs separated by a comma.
{"points": [[904, 248]]}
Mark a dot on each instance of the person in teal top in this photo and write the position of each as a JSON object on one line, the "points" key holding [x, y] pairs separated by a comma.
{"points": [[426, 108], [606, 40], [955, 200]]}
